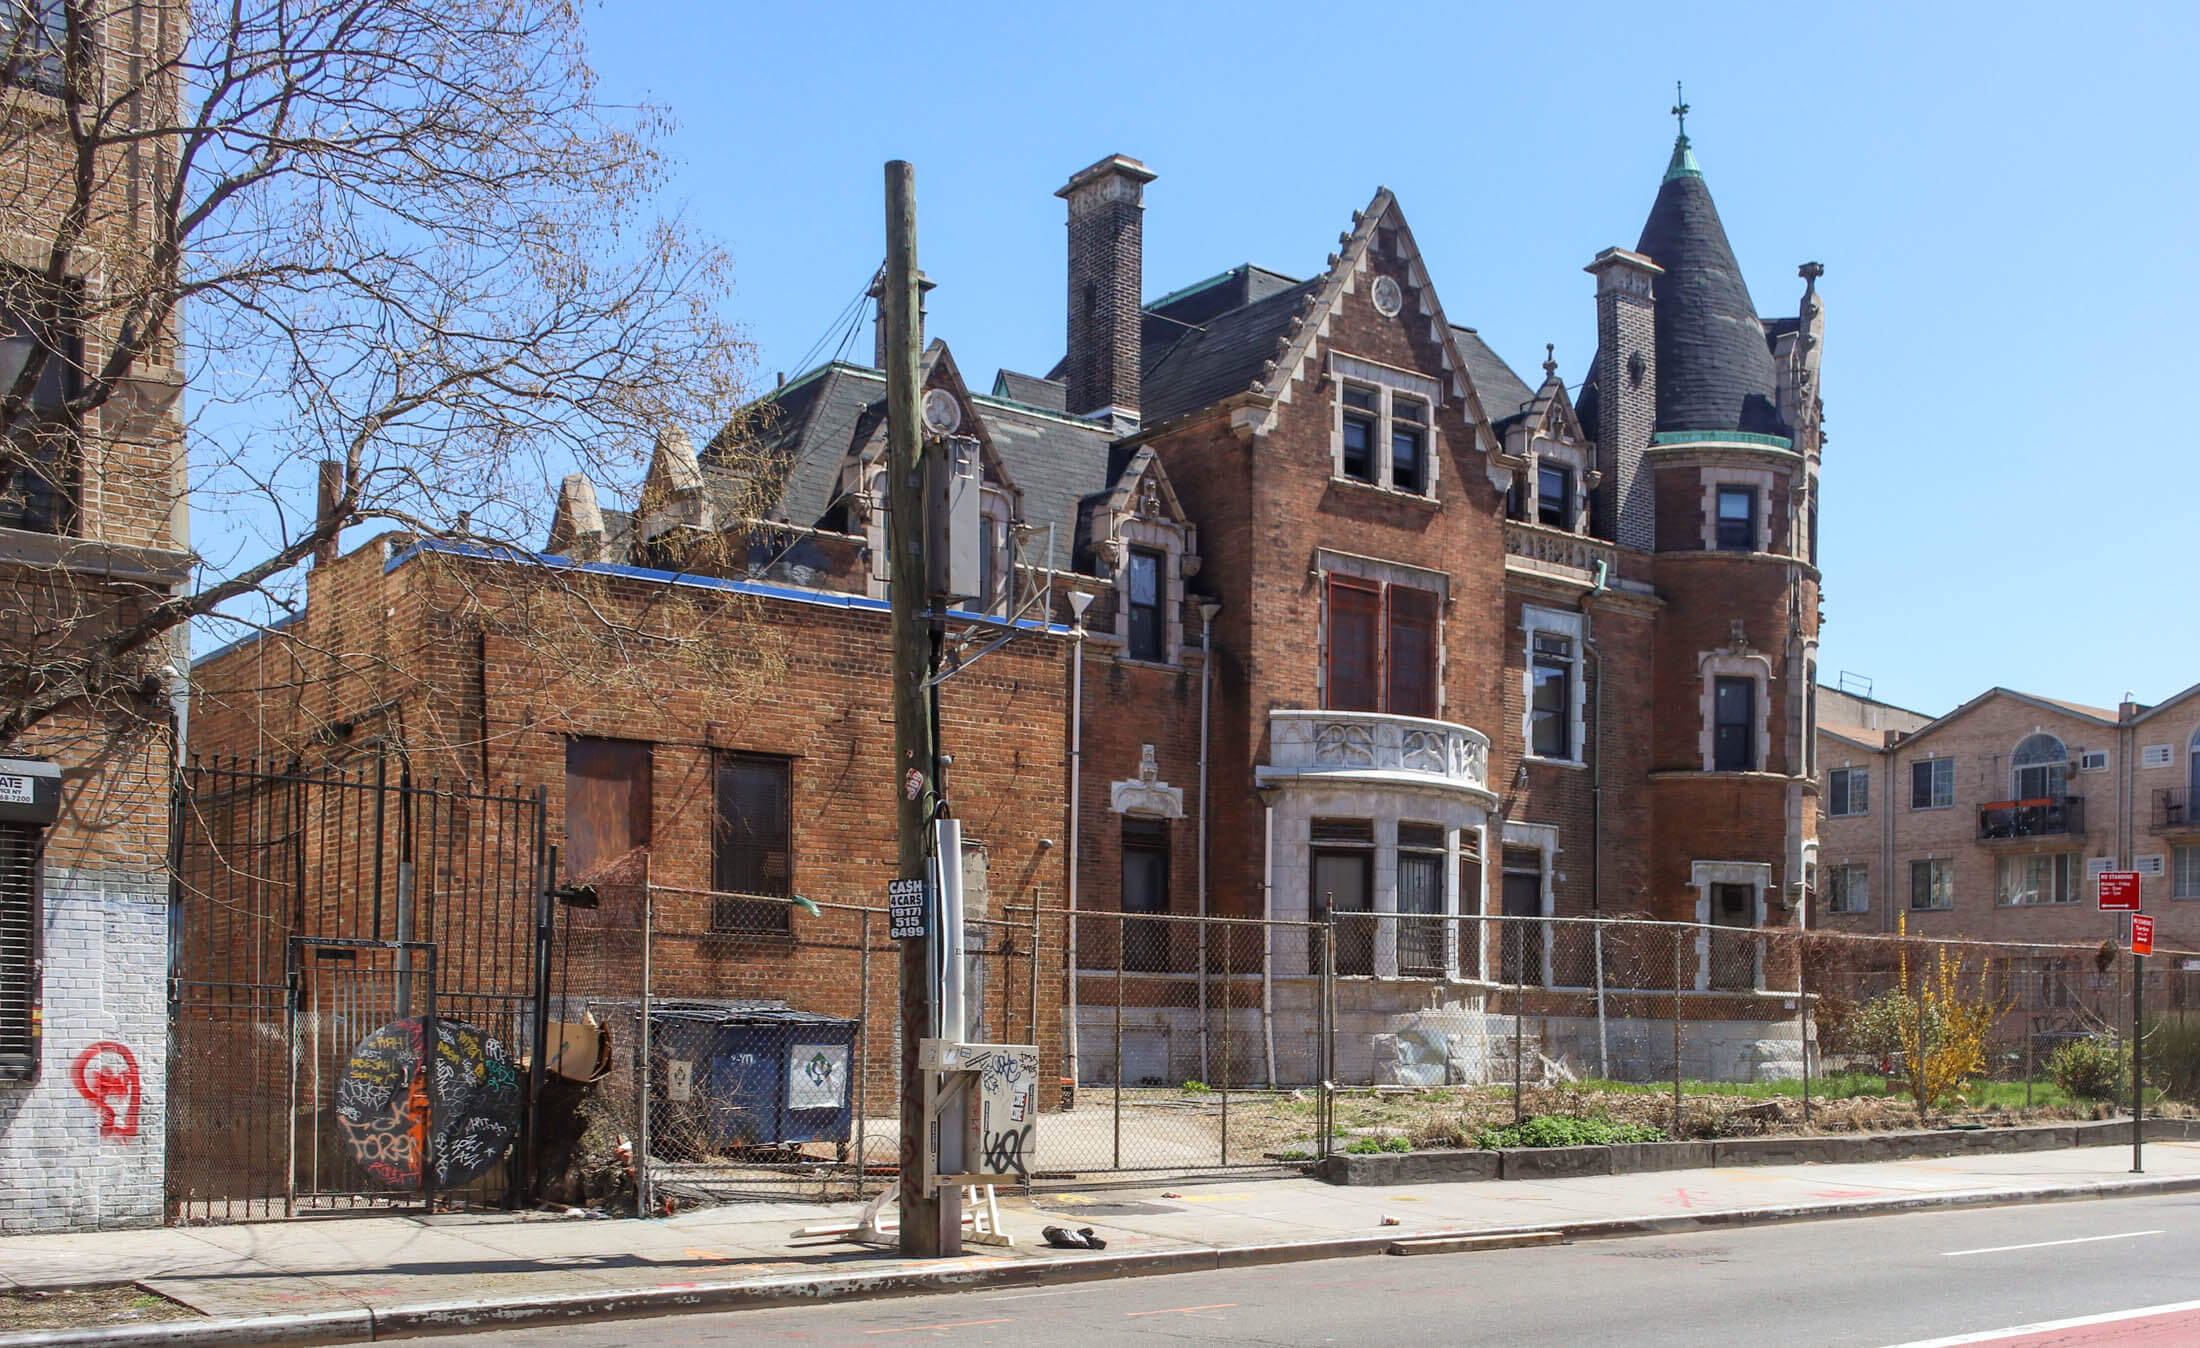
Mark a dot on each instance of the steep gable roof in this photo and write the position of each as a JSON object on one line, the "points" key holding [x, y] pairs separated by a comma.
{"points": [[1295, 362]]}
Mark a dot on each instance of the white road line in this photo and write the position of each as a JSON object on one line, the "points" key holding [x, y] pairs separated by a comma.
{"points": [[2050, 1326], [2043, 1244]]}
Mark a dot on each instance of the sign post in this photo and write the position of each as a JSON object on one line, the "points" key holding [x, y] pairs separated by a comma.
{"points": [[2119, 893]]}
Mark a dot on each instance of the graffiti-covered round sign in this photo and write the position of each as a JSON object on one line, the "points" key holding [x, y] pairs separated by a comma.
{"points": [[383, 1103]]}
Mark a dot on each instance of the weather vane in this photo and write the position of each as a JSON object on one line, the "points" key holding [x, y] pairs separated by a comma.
{"points": [[1680, 107]]}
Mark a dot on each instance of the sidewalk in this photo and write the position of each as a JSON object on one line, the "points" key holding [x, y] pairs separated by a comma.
{"points": [[388, 1276]]}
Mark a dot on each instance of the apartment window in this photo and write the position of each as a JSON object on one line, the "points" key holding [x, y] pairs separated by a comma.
{"points": [[21, 922], [1932, 885], [1848, 792], [1734, 725], [2051, 877], [2185, 873], [1342, 863], [1381, 647], [1421, 892], [1932, 783], [1408, 444], [34, 32], [607, 799], [1145, 890], [1848, 889], [1385, 425], [38, 487], [752, 846], [1737, 519], [1142, 592], [1362, 411], [1551, 708], [2039, 768], [1554, 496]]}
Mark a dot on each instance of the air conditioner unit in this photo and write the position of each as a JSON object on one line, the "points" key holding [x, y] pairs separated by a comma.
{"points": [[2093, 760]]}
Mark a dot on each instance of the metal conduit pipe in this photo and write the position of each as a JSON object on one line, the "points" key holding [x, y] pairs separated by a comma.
{"points": [[1079, 601]]}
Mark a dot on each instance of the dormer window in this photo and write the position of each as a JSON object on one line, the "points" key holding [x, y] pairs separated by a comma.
{"points": [[1385, 427], [1554, 496], [1362, 409], [1142, 595]]}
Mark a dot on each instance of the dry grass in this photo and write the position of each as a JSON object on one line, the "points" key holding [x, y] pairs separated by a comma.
{"points": [[87, 1308]]}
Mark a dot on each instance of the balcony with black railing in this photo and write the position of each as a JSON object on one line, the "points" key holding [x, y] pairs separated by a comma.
{"points": [[2038, 817], [2173, 810]]}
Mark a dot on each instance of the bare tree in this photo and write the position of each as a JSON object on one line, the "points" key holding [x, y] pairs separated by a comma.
{"points": [[406, 238]]}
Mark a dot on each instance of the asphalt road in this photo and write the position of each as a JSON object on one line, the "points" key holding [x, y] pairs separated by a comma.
{"points": [[1869, 1281]]}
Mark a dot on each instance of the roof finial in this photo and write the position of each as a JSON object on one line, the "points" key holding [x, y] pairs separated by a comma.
{"points": [[1683, 164], [1550, 358]]}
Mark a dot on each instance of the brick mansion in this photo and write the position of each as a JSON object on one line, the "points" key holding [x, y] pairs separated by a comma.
{"points": [[1311, 602]]}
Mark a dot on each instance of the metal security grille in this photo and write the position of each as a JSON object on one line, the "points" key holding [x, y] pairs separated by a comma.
{"points": [[18, 950]]}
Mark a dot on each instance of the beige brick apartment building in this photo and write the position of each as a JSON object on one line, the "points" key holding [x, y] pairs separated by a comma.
{"points": [[1991, 821], [92, 531]]}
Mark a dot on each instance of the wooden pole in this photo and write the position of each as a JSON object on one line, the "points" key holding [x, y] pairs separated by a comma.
{"points": [[931, 1224]]}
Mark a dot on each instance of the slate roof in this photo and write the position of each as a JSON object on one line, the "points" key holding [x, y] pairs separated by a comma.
{"points": [[824, 417], [1189, 368], [1503, 392], [1030, 389], [1055, 460], [1715, 369]]}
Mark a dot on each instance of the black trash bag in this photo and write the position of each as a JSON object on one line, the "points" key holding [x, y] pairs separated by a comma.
{"points": [[1082, 1239]]}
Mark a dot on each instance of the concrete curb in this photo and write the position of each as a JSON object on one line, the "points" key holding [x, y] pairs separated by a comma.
{"points": [[459, 1317]]}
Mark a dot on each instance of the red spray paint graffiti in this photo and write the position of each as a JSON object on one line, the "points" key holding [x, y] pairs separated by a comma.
{"points": [[106, 1075]]}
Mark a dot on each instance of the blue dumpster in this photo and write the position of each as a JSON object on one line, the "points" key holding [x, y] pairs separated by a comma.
{"points": [[755, 1074]]}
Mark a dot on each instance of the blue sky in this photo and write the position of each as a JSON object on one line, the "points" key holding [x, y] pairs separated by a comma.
{"points": [[2004, 197]]}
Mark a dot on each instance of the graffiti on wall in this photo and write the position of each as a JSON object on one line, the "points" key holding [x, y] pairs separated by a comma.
{"points": [[106, 1075], [390, 1111]]}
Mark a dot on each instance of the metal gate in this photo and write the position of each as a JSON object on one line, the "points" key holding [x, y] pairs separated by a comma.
{"points": [[306, 903]]}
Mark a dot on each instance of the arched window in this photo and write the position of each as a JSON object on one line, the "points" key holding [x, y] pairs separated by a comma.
{"points": [[2039, 767]]}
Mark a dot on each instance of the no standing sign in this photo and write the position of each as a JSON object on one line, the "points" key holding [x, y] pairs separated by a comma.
{"points": [[2119, 891]]}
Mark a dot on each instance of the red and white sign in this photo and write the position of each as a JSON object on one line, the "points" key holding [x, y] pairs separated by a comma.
{"points": [[2142, 934], [2119, 891]]}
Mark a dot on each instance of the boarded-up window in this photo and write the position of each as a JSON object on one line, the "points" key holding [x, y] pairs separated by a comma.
{"points": [[1412, 651], [1355, 645], [606, 803], [752, 849], [1381, 647]]}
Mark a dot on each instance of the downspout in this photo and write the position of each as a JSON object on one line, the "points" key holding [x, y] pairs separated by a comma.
{"points": [[1268, 940], [1079, 601], [1208, 608], [1596, 802], [1596, 745]]}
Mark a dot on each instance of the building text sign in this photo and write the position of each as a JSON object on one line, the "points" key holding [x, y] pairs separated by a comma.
{"points": [[2119, 891]]}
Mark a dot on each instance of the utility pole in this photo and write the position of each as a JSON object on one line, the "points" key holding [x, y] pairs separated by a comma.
{"points": [[931, 1224]]}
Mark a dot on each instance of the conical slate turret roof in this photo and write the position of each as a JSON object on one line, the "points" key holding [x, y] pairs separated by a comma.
{"points": [[1714, 369]]}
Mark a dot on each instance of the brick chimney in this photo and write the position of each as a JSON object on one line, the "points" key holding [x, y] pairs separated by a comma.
{"points": [[1626, 379], [1106, 210]]}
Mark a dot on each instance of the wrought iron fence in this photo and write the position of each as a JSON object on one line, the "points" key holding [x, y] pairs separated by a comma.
{"points": [[351, 859]]}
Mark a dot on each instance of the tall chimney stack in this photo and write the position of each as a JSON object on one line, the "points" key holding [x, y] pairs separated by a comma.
{"points": [[1106, 214]]}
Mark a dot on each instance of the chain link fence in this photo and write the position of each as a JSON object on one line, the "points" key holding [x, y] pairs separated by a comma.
{"points": [[1189, 1046], [769, 1065]]}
